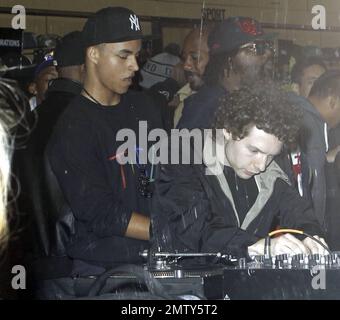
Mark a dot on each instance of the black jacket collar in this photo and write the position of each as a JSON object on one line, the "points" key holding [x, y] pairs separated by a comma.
{"points": [[65, 85]]}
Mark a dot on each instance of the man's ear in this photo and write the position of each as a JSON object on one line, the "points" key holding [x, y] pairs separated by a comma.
{"points": [[92, 53], [32, 88]]}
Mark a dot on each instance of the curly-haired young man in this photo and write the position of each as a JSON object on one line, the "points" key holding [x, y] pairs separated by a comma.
{"points": [[232, 200]]}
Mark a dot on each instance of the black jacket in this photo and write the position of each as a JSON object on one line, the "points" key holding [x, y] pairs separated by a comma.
{"points": [[162, 93], [59, 94], [40, 197], [101, 192], [200, 108], [312, 142], [193, 211]]}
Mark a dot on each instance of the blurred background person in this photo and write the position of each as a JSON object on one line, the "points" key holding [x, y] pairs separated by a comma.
{"points": [[6, 117], [35, 196], [185, 80], [44, 73], [68, 60], [159, 67], [238, 52], [13, 104], [304, 74], [12, 131], [195, 56]]}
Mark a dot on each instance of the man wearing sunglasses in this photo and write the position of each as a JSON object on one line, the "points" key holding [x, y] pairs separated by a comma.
{"points": [[238, 52]]}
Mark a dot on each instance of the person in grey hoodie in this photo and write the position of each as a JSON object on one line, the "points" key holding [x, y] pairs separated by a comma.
{"points": [[321, 111]]}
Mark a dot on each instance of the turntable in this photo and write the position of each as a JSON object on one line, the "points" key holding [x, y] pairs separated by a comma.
{"points": [[192, 274]]}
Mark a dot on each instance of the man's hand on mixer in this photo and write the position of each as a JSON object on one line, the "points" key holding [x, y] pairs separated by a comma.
{"points": [[314, 247], [286, 243]]}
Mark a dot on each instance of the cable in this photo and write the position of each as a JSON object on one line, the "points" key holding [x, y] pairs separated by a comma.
{"points": [[267, 247], [318, 241], [270, 234]]}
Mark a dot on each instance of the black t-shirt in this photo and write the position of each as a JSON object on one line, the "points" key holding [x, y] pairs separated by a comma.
{"points": [[101, 192], [244, 192]]}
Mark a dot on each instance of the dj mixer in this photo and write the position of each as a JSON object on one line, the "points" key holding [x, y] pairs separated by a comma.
{"points": [[224, 277]]}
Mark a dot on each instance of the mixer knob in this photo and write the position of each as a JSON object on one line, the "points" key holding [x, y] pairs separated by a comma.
{"points": [[279, 257], [279, 264], [297, 260], [333, 258], [298, 257], [179, 273], [323, 259], [328, 259], [242, 263], [278, 260], [259, 258], [316, 257], [282, 257]]}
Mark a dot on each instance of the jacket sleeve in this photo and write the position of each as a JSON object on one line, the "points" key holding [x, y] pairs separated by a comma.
{"points": [[184, 219], [313, 145], [77, 164], [295, 212]]}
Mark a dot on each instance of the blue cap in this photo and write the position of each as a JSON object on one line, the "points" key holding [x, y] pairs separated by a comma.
{"points": [[48, 62]]}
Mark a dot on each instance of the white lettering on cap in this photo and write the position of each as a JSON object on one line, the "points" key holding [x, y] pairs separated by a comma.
{"points": [[134, 22]]}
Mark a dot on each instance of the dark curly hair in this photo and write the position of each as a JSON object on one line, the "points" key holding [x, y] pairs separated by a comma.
{"points": [[328, 84], [263, 105], [301, 65]]}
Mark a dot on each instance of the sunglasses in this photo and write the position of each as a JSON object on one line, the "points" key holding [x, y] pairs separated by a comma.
{"points": [[258, 48]]}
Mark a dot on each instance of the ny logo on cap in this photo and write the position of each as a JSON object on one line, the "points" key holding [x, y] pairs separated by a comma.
{"points": [[134, 22]]}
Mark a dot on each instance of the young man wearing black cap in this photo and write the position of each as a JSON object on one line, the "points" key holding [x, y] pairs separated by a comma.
{"points": [[238, 51], [109, 201]]}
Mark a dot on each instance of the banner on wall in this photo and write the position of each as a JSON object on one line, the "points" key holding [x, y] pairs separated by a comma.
{"points": [[213, 14], [10, 41]]}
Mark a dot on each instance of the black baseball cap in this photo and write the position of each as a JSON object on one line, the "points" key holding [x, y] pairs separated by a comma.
{"points": [[110, 25], [234, 32], [70, 50]]}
